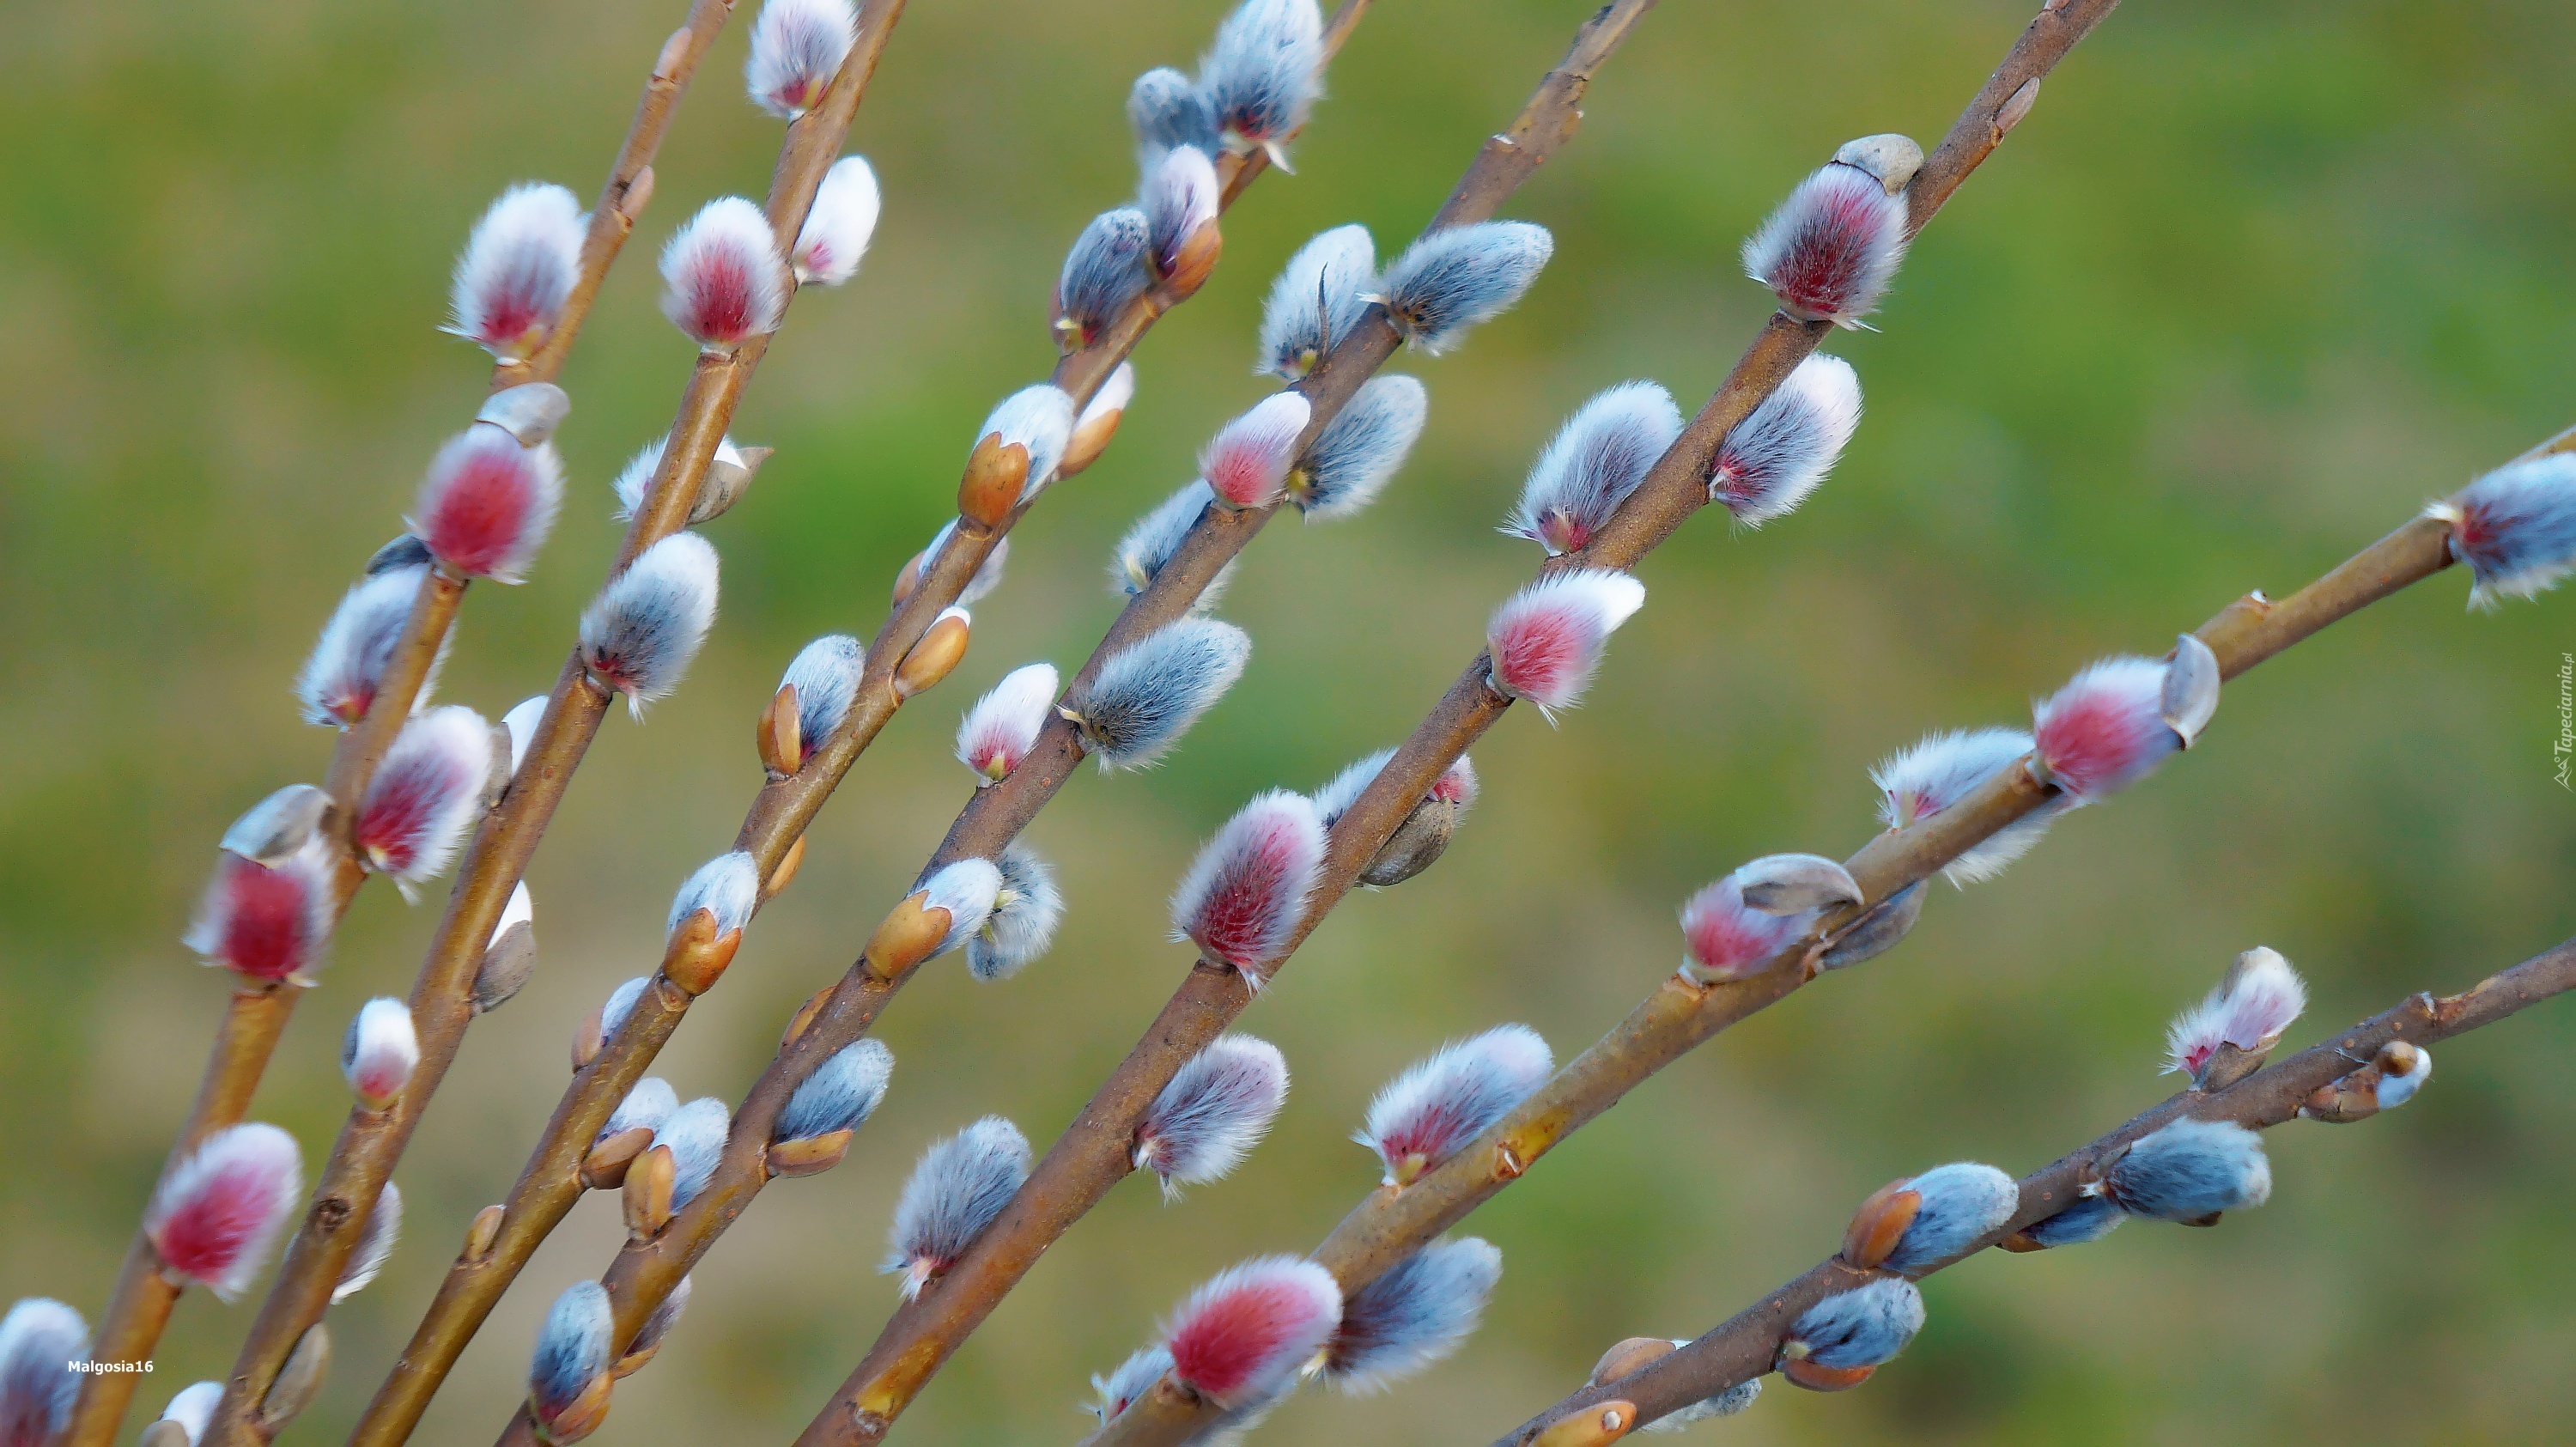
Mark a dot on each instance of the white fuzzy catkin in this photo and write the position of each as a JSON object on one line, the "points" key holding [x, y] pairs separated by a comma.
{"points": [[1264, 72], [1351, 461], [995, 734], [796, 47], [645, 1107], [340, 678], [841, 1094], [1319, 296], [696, 1135], [722, 280], [1212, 1112], [1773, 460], [1918, 782], [375, 1245], [840, 224], [1594, 462], [1456, 278], [517, 270], [1439, 1104], [825, 674], [727, 886], [1148, 545], [636, 477], [39, 1338], [962, 1183], [640, 634], [1026, 910]]}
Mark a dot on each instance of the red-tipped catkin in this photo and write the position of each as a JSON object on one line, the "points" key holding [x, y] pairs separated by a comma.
{"points": [[1723, 938], [517, 271], [1246, 893], [2515, 528], [1546, 640], [1772, 460], [574, 1349], [1426, 1114], [796, 46], [1212, 1112], [266, 922], [1830, 250], [722, 281], [997, 732], [379, 1051], [1594, 462], [2248, 1008], [487, 504], [1916, 783], [2105, 730], [639, 635], [1247, 463], [339, 681], [40, 1339], [1264, 73], [838, 228], [214, 1219], [375, 1245], [1244, 1334], [425, 795]]}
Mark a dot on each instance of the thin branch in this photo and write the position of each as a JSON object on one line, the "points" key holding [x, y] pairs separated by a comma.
{"points": [[1092, 1155], [441, 1001], [256, 1015], [550, 1183], [1744, 1347]]}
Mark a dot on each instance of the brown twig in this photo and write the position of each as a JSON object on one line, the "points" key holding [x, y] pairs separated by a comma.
{"points": [[550, 1183], [1743, 1348], [441, 1003], [1092, 1155], [256, 1015]]}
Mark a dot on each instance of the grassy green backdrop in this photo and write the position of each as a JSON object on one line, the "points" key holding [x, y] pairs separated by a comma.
{"points": [[2250, 285]]}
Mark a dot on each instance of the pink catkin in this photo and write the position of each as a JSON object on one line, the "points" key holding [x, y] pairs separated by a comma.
{"points": [[1243, 1336], [483, 512], [1239, 918], [2104, 731], [267, 925], [1539, 654], [404, 804], [1825, 265]]}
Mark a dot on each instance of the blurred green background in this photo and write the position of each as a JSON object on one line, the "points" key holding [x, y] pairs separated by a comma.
{"points": [[2250, 286]]}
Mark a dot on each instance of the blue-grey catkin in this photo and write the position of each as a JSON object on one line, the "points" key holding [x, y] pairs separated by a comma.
{"points": [[1420, 1311], [1025, 912], [339, 681], [2515, 528], [1149, 693], [1212, 1112], [1148, 545], [2089, 1219], [1168, 110], [405, 551], [2191, 1169], [1595, 461], [696, 1135], [961, 1184], [572, 1349], [1351, 460], [1264, 72], [620, 1002], [840, 1095], [1133, 1378], [825, 675], [1724, 1404], [1961, 1202], [647, 1105], [727, 886], [1861, 1327], [1038, 418], [1103, 272], [38, 1340], [639, 635], [1320, 295], [1450, 280]]}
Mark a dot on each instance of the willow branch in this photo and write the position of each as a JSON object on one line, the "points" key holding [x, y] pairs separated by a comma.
{"points": [[550, 1183], [1743, 1347], [441, 1000], [1092, 1155], [256, 1015]]}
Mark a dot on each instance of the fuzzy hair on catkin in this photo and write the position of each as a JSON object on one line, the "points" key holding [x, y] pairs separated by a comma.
{"points": [[2190, 1169], [664, 1317], [486, 504], [2089, 1219], [573, 1348], [218, 1213], [1318, 297], [696, 1135], [1439, 1104], [967, 889], [722, 280], [1264, 72], [340, 678], [1344, 789], [1131, 1379], [521, 725], [2105, 730], [2249, 1007], [1168, 110], [1772, 461], [988, 573], [1457, 278], [1830, 250], [379, 1050], [375, 1244], [962, 1183], [645, 1107], [643, 630], [1246, 464], [727, 886], [192, 1407], [997, 732], [1212, 1112], [635, 479], [825, 674], [1960, 1202], [425, 795], [1351, 461], [1724, 1404], [841, 1094], [1180, 196], [1245, 893], [1723, 938], [2515, 528], [1103, 271], [1420, 1311], [517, 270], [1026, 910], [1920, 781], [1148, 545], [1040, 419], [620, 1003], [1149, 693], [1594, 462], [796, 47], [37, 1338], [837, 230], [1862, 1327], [1545, 641], [1241, 1336], [266, 922]]}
